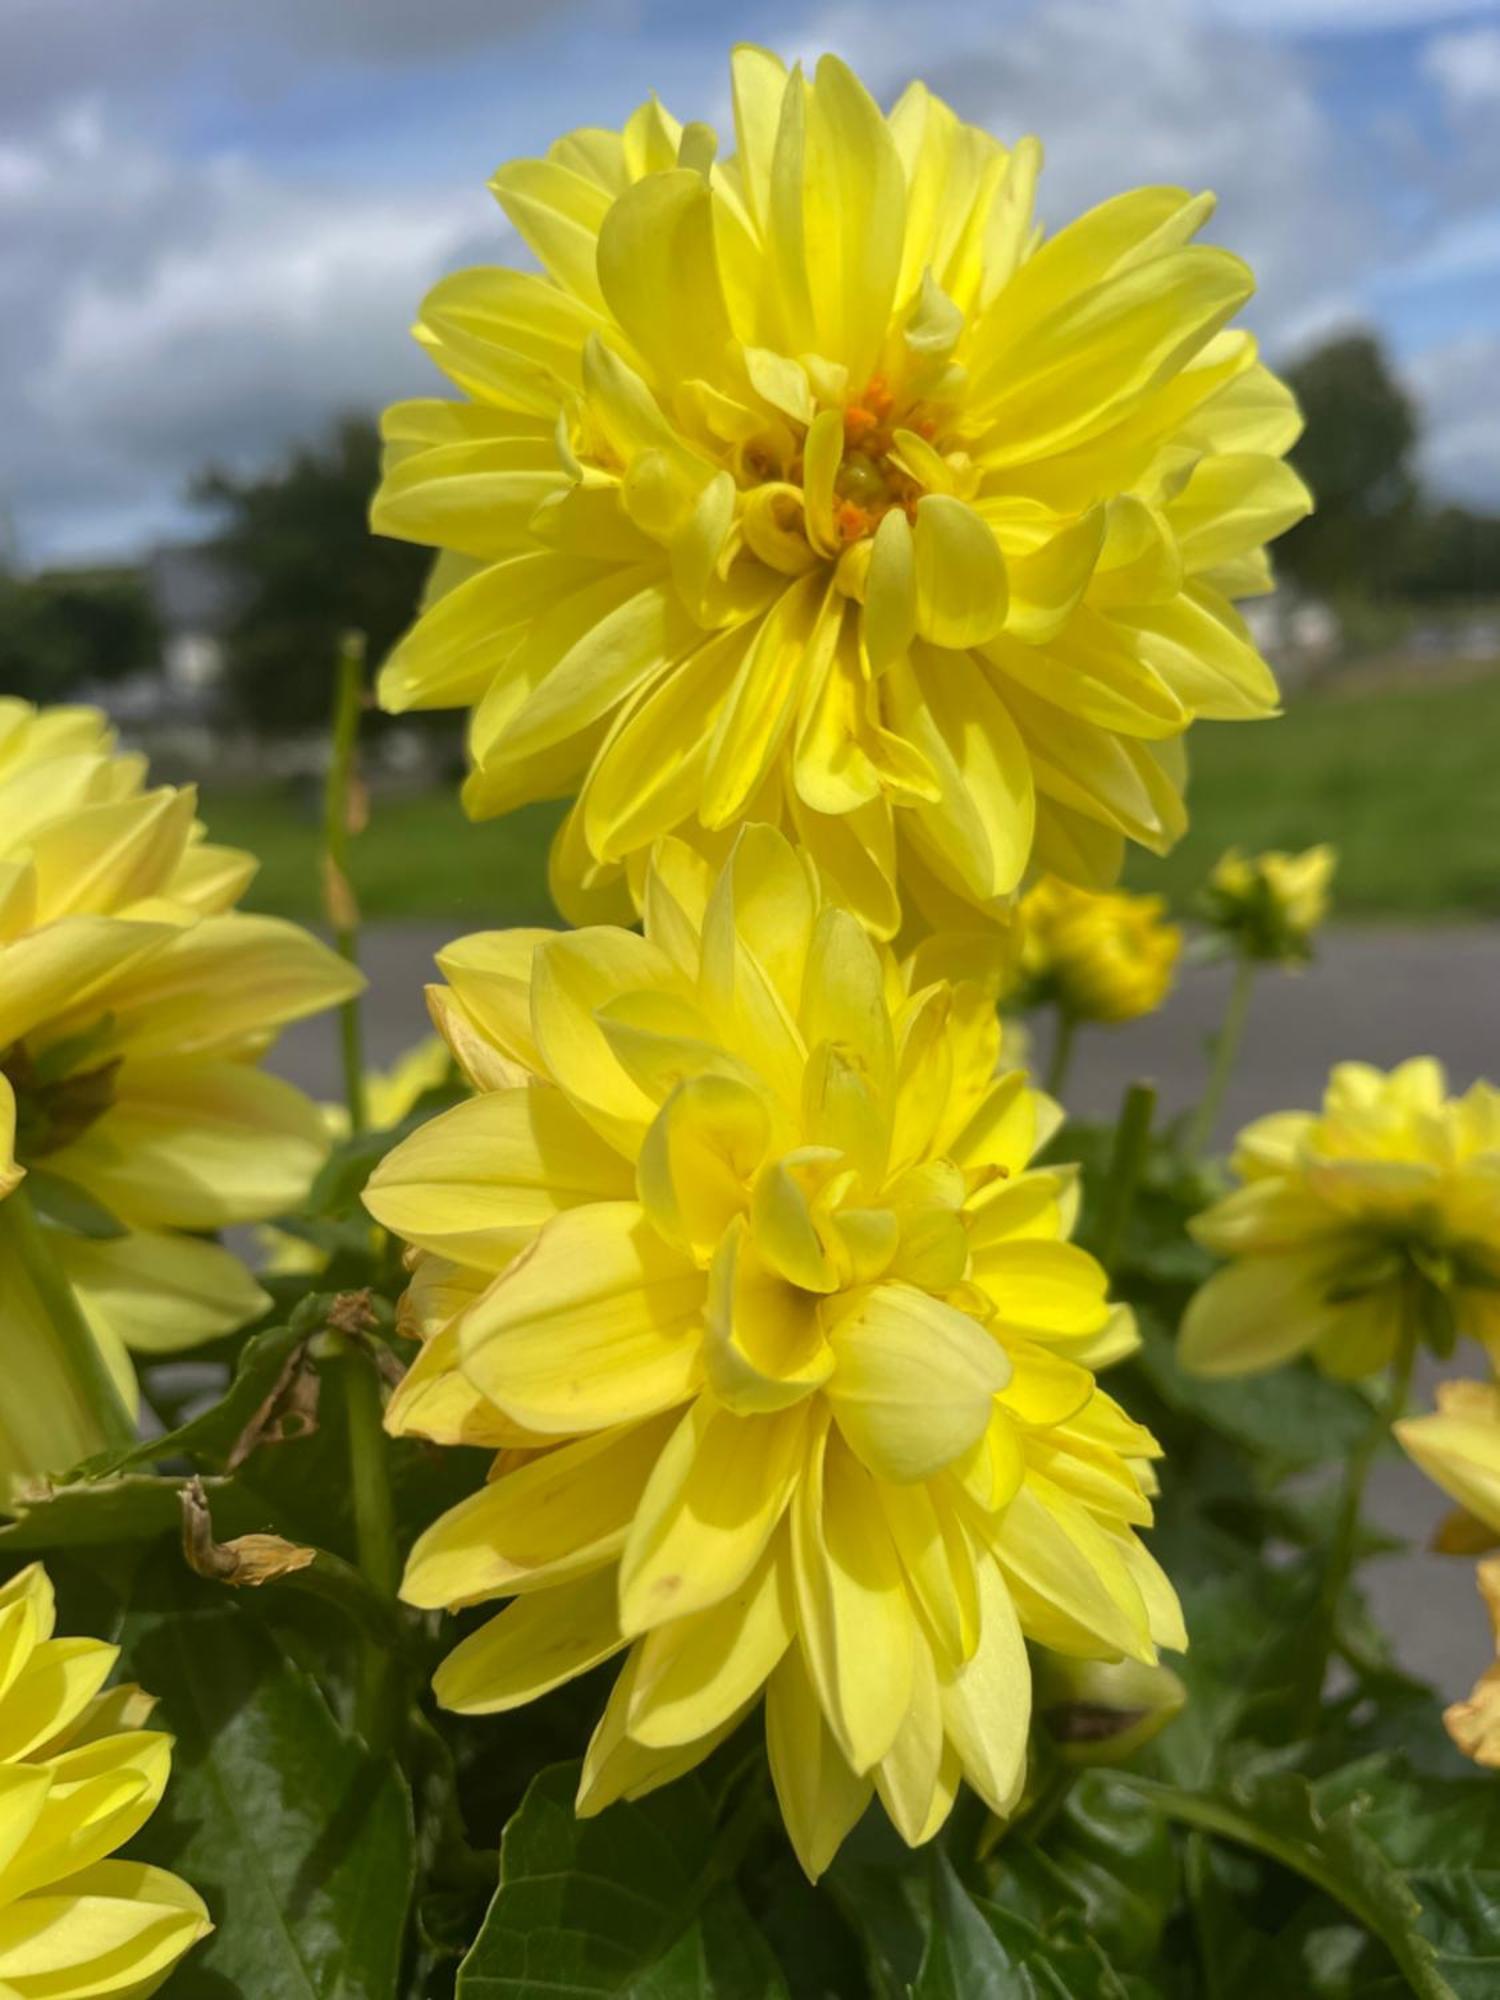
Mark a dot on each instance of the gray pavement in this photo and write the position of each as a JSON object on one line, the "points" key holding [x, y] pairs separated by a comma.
{"points": [[1378, 995]]}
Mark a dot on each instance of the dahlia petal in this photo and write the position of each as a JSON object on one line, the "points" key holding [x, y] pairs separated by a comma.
{"points": [[854, 1618], [533, 1646], [552, 1518], [477, 1182], [961, 592], [820, 1796], [1254, 1315], [115, 1929], [659, 275], [197, 1145], [914, 1382], [986, 1703], [157, 1292], [710, 1507], [698, 1672], [597, 1324]]}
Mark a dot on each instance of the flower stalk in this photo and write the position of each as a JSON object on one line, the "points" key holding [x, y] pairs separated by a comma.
{"points": [[1226, 1053], [85, 1360], [1344, 1544], [342, 816]]}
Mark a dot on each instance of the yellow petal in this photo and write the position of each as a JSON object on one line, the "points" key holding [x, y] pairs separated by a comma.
{"points": [[819, 1795], [914, 1382], [476, 1183], [960, 574], [855, 1620], [598, 1323], [709, 1509], [531, 1647], [697, 1672], [554, 1517]]}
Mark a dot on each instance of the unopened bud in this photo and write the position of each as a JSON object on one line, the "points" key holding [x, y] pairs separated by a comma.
{"points": [[1102, 1711]]}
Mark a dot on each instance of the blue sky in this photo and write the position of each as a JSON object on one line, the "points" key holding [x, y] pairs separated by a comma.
{"points": [[216, 220]]}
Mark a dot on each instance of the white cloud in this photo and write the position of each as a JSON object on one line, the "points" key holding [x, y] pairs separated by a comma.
{"points": [[156, 315], [1339, 17], [1465, 66]]}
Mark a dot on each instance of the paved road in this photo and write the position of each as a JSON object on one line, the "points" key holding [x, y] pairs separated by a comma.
{"points": [[1378, 995]]}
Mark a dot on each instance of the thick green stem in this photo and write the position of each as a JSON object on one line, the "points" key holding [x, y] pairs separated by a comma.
{"points": [[375, 1541], [1226, 1053], [1127, 1164], [85, 1362], [1343, 1548], [343, 911], [1062, 1054]]}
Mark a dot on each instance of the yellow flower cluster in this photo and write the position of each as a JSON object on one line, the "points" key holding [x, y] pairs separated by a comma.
{"points": [[1358, 1230], [815, 486], [79, 1775], [135, 1004], [1458, 1447], [1268, 905], [738, 1260], [1106, 957]]}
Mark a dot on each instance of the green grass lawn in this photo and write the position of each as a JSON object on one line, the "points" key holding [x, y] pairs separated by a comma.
{"points": [[1405, 781]]}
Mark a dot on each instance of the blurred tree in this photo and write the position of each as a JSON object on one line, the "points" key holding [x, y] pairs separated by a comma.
{"points": [[1357, 456], [64, 630], [1451, 552], [297, 546]]}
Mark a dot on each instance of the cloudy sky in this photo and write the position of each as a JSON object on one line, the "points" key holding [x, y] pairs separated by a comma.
{"points": [[216, 220]]}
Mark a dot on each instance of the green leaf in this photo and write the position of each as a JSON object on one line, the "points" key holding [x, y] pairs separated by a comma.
{"points": [[213, 1434], [978, 1951], [104, 1512], [1102, 1856], [1443, 1836], [636, 1902], [1324, 1840], [1293, 1417], [299, 1841]]}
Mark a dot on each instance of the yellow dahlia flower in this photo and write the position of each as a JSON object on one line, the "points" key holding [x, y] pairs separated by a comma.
{"points": [[1458, 1447], [1269, 905], [79, 1776], [1106, 957], [135, 1003], [738, 1258], [812, 485], [1358, 1229]]}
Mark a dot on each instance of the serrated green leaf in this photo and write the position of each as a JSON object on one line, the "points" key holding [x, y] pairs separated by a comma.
{"points": [[636, 1902], [978, 1951], [212, 1435], [135, 1508], [1101, 1855], [297, 1838], [1324, 1838]]}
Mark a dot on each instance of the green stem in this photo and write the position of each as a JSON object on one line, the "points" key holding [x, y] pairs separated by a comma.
{"points": [[1341, 1553], [342, 909], [1062, 1054], [1226, 1053], [1219, 1816], [375, 1541], [1127, 1164], [82, 1356]]}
